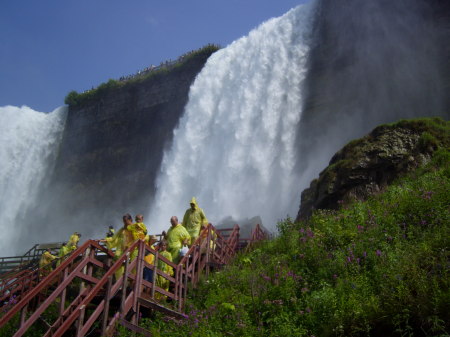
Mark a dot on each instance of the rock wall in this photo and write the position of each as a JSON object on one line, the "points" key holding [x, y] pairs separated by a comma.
{"points": [[111, 151], [372, 62]]}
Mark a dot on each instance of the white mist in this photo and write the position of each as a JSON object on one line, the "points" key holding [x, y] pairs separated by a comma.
{"points": [[234, 149], [28, 140]]}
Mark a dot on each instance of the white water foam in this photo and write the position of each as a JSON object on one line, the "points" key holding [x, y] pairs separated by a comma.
{"points": [[28, 140], [234, 148]]}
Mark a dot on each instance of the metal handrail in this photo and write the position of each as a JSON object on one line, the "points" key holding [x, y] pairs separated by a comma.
{"points": [[210, 248]]}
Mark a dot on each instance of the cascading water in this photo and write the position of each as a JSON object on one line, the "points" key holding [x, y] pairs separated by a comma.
{"points": [[28, 142], [234, 148]]}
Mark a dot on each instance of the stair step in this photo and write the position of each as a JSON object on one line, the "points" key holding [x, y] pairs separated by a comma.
{"points": [[135, 328], [149, 303]]}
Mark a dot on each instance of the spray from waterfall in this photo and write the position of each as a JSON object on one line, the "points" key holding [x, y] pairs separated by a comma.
{"points": [[28, 141], [234, 147]]}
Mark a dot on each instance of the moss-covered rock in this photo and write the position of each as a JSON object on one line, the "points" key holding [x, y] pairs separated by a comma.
{"points": [[366, 165]]}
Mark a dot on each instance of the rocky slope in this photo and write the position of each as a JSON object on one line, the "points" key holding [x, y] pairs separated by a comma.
{"points": [[365, 166]]}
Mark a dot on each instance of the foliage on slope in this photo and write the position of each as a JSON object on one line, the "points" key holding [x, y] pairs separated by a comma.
{"points": [[373, 268]]}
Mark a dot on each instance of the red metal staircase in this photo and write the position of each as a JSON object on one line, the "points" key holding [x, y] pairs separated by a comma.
{"points": [[89, 299]]}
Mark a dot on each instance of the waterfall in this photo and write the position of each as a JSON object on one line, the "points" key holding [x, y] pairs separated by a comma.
{"points": [[234, 148], [28, 141]]}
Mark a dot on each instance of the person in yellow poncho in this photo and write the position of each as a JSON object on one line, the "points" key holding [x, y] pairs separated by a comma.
{"points": [[45, 263], [139, 232], [193, 219], [161, 281], [121, 241], [63, 253], [177, 236], [149, 258], [72, 244], [139, 229]]}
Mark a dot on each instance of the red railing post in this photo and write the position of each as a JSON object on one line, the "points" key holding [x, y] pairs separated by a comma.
{"points": [[63, 294], [138, 279], [81, 320], [106, 309], [208, 240], [124, 287], [154, 275]]}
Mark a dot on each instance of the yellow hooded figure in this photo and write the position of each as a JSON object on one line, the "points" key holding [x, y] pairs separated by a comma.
{"points": [[138, 229], [120, 242], [63, 253], [45, 263], [177, 236], [193, 220], [72, 244]]}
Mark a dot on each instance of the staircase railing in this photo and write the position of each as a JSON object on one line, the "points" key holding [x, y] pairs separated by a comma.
{"points": [[11, 265], [90, 295]]}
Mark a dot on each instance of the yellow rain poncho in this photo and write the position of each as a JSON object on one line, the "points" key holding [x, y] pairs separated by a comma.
{"points": [[45, 263], [139, 230], [193, 219], [161, 281], [73, 242], [63, 253], [175, 238], [120, 242], [149, 258]]}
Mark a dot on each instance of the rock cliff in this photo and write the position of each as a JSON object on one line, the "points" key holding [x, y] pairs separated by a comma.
{"points": [[366, 165], [112, 148]]}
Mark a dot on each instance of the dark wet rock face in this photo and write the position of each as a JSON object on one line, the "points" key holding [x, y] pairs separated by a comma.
{"points": [[365, 166], [111, 151]]}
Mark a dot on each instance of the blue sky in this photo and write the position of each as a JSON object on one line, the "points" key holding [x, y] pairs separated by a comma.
{"points": [[51, 47]]}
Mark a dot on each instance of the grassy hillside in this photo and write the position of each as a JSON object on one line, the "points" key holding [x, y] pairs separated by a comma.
{"points": [[374, 268]]}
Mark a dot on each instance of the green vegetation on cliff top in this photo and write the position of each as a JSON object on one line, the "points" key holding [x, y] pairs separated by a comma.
{"points": [[74, 98], [374, 268]]}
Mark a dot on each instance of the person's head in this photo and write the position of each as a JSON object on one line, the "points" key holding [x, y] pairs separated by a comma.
{"points": [[111, 227], [174, 221], [163, 245], [152, 239], [139, 218], [63, 244], [78, 234], [193, 203], [127, 220]]}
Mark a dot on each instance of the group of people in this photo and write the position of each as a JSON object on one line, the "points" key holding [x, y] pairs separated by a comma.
{"points": [[162, 65], [174, 243], [179, 235], [47, 258]]}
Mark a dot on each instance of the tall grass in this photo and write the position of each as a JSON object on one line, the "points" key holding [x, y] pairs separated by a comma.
{"points": [[374, 268]]}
